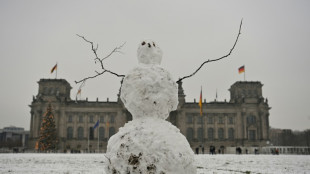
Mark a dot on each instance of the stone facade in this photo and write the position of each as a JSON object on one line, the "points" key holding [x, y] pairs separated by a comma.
{"points": [[241, 122]]}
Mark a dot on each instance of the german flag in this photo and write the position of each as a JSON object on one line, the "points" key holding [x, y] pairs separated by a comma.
{"points": [[54, 68], [241, 69]]}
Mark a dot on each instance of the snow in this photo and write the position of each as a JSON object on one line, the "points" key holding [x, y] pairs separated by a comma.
{"points": [[206, 164], [253, 164], [150, 145], [149, 53], [149, 91]]}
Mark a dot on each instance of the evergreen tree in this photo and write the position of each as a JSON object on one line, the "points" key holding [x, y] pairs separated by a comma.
{"points": [[48, 137]]}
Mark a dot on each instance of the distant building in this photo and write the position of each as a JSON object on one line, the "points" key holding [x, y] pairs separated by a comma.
{"points": [[287, 137], [13, 137], [241, 122]]}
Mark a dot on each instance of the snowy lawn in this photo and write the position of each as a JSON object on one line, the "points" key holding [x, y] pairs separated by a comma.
{"points": [[94, 163]]}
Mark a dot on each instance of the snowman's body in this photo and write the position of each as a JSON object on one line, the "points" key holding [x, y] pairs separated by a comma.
{"points": [[149, 144]]}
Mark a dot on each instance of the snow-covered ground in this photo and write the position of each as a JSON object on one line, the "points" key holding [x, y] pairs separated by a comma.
{"points": [[94, 163]]}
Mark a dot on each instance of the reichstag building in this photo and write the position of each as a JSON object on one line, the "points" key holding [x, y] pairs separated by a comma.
{"points": [[243, 121]]}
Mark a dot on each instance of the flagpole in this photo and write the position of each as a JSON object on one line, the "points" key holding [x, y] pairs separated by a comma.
{"points": [[88, 141], [244, 75], [201, 115], [203, 139], [98, 136], [56, 69], [244, 72]]}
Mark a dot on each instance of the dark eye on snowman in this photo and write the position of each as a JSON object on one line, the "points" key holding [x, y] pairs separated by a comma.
{"points": [[143, 43], [154, 44]]}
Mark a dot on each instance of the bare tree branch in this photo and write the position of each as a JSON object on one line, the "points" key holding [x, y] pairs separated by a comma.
{"points": [[115, 50], [213, 60], [97, 59]]}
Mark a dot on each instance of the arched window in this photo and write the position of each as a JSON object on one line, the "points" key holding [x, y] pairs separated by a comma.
{"points": [[210, 134], [111, 131], [101, 133], [220, 133], [189, 134], [200, 134], [252, 135], [69, 133], [231, 134], [80, 133]]}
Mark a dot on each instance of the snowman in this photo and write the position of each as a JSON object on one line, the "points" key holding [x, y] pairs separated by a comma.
{"points": [[149, 144]]}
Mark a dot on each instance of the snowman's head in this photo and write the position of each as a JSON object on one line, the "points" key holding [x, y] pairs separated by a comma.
{"points": [[149, 53]]}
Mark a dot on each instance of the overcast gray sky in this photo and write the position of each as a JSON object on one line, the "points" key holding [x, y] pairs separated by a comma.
{"points": [[274, 47]]}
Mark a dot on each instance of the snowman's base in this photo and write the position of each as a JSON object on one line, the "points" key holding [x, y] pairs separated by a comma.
{"points": [[149, 146]]}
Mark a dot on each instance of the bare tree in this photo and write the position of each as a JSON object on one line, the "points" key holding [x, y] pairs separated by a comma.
{"points": [[213, 60], [100, 60], [117, 50]]}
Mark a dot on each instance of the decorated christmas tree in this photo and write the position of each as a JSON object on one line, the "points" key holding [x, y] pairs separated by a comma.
{"points": [[48, 137]]}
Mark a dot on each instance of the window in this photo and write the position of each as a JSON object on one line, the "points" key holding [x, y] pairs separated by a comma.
{"points": [[69, 133], [189, 119], [70, 119], [252, 135], [221, 120], [210, 120], [91, 119], [231, 134], [80, 133], [80, 119], [189, 134], [230, 120], [220, 133], [112, 118], [199, 119], [45, 90], [91, 133], [50, 91], [243, 92], [111, 131], [251, 119], [200, 134], [210, 134], [101, 119], [57, 91], [250, 93], [101, 133]]}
